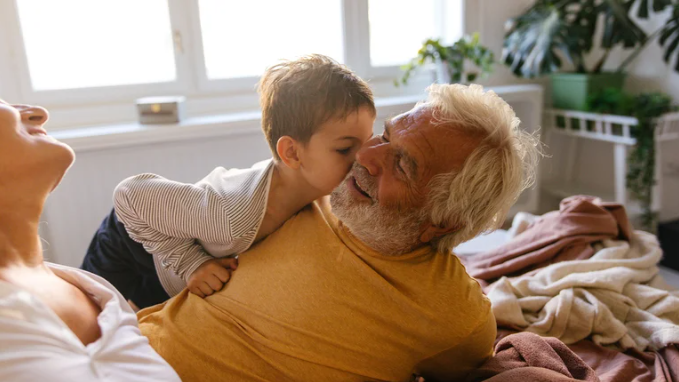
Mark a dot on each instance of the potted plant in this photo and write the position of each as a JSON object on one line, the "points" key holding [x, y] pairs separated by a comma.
{"points": [[553, 31], [452, 62], [646, 107]]}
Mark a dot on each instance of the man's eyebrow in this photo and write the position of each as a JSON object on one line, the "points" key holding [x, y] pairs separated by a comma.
{"points": [[387, 128]]}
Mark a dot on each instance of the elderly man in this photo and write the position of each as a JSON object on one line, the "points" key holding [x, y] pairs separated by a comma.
{"points": [[369, 291]]}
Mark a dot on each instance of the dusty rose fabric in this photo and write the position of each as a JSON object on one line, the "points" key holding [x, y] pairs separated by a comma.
{"points": [[523, 357], [615, 366], [567, 234], [632, 365]]}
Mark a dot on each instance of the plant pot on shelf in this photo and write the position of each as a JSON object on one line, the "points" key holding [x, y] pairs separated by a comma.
{"points": [[570, 90]]}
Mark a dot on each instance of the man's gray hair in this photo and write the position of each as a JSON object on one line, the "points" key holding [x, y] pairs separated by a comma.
{"points": [[478, 196]]}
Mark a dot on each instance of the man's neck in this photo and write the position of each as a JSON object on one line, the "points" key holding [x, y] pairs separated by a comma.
{"points": [[289, 192], [19, 241]]}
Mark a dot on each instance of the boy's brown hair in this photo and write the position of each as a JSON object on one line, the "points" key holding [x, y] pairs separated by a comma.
{"points": [[298, 96]]}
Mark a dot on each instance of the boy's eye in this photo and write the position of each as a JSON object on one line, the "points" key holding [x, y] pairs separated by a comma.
{"points": [[344, 151]]}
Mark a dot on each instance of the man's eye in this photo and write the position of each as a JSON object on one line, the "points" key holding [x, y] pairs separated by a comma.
{"points": [[344, 151], [383, 138], [400, 166]]}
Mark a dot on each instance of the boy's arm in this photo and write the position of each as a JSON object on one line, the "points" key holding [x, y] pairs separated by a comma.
{"points": [[167, 217]]}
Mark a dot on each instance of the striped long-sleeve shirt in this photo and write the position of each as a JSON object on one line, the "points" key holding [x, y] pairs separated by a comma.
{"points": [[184, 225]]}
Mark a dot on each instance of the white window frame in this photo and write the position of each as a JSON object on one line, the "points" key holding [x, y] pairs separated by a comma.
{"points": [[204, 95], [92, 94]]}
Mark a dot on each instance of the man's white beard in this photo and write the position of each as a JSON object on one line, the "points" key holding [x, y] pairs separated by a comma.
{"points": [[389, 232]]}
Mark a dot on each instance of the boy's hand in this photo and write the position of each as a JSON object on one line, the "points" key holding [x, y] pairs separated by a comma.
{"points": [[211, 276]]}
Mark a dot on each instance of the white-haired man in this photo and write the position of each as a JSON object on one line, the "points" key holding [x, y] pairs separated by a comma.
{"points": [[369, 291]]}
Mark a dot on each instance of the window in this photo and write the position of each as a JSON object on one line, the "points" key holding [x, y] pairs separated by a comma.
{"points": [[240, 40], [120, 42], [399, 27], [88, 54]]}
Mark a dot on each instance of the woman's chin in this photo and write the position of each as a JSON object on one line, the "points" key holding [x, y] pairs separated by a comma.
{"points": [[63, 160]]}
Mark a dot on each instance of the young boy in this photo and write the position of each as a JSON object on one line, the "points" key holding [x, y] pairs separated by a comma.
{"points": [[316, 114]]}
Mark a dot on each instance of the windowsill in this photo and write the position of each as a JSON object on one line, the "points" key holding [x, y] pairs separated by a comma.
{"points": [[231, 124], [134, 133]]}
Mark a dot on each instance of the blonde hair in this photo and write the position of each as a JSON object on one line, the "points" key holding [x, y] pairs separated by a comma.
{"points": [[298, 96], [478, 196]]}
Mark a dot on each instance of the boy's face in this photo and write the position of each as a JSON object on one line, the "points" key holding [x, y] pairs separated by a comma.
{"points": [[331, 151]]}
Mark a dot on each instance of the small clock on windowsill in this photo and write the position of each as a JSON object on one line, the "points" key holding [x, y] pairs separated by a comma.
{"points": [[160, 110]]}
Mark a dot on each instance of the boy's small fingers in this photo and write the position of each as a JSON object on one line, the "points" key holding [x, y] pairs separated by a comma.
{"points": [[197, 292], [223, 274], [205, 288], [214, 283], [229, 262]]}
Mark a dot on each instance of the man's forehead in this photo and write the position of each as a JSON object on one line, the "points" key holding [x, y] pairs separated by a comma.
{"points": [[412, 118], [420, 121], [443, 146]]}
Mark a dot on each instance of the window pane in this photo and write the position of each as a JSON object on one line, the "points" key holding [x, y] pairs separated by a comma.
{"points": [[241, 39], [398, 28], [84, 43]]}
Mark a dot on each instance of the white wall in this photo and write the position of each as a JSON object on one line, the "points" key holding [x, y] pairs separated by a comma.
{"points": [[488, 17]]}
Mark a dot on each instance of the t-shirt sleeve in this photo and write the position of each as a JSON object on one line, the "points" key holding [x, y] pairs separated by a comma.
{"points": [[457, 362]]}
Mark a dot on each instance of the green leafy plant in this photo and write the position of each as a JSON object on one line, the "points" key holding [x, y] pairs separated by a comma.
{"points": [[537, 42], [669, 36], [641, 164], [455, 59]]}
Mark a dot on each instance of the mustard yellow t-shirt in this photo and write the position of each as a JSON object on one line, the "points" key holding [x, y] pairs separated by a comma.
{"points": [[312, 303]]}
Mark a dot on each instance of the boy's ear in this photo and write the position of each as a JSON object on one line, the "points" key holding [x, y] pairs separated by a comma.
{"points": [[288, 150]]}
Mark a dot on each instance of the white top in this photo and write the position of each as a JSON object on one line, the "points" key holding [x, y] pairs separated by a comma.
{"points": [[36, 345], [184, 225]]}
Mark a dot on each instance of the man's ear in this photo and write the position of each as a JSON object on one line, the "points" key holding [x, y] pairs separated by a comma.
{"points": [[432, 231], [288, 150]]}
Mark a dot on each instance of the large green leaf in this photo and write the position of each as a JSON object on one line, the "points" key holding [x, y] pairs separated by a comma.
{"points": [[619, 29], [658, 6], [533, 39], [669, 37], [536, 40]]}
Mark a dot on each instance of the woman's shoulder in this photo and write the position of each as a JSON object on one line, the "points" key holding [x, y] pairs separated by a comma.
{"points": [[37, 345]]}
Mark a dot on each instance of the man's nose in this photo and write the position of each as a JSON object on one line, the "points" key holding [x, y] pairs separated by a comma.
{"points": [[34, 115], [371, 156]]}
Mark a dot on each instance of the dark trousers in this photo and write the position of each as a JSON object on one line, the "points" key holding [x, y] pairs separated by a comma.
{"points": [[123, 262]]}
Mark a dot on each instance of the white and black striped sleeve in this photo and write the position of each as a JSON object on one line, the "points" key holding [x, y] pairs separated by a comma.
{"points": [[168, 217]]}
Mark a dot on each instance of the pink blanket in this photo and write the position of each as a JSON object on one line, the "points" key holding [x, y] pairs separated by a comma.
{"points": [[567, 234]]}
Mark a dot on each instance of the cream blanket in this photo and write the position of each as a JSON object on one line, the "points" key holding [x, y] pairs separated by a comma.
{"points": [[616, 297]]}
